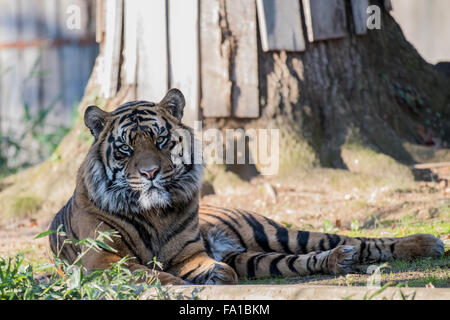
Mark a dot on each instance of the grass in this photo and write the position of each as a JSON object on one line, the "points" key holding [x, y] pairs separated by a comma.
{"points": [[406, 225], [420, 273], [423, 272], [25, 206], [364, 160], [19, 280]]}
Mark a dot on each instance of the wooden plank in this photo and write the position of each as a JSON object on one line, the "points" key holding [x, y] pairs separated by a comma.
{"points": [[31, 56], [112, 47], [99, 21], [72, 20], [91, 50], [10, 80], [86, 59], [388, 5], [215, 82], [52, 91], [280, 25], [152, 75], [184, 54], [325, 19], [360, 16], [241, 17], [130, 42], [430, 165]]}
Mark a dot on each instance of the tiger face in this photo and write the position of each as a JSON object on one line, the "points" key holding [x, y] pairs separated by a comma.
{"points": [[142, 157]]}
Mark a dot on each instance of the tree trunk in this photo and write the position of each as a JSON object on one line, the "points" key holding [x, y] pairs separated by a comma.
{"points": [[345, 103], [373, 91]]}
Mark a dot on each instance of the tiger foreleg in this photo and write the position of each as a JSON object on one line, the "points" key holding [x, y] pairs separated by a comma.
{"points": [[94, 260], [251, 264], [202, 269], [407, 248]]}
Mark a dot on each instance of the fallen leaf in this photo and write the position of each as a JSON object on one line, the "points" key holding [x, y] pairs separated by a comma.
{"points": [[33, 222]]}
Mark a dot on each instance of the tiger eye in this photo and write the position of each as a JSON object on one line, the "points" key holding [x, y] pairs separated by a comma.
{"points": [[124, 148]]}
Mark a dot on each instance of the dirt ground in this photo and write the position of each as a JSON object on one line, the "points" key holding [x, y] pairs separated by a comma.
{"points": [[332, 200], [308, 206], [327, 201]]}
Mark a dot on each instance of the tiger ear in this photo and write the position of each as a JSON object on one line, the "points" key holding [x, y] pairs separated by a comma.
{"points": [[95, 119], [174, 102]]}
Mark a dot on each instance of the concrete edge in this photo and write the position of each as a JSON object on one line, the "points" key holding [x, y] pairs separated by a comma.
{"points": [[293, 292]]}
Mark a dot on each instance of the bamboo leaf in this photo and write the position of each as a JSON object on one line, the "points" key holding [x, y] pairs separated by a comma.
{"points": [[105, 246], [44, 234]]}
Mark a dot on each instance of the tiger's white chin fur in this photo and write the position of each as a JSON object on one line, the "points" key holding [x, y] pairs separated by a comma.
{"points": [[154, 198]]}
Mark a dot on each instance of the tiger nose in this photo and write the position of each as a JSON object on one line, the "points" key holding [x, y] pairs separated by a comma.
{"points": [[149, 174]]}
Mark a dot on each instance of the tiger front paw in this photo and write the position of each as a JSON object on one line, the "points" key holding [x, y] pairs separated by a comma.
{"points": [[341, 260], [221, 273]]}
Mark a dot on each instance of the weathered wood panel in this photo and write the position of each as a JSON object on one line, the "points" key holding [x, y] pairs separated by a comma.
{"points": [[360, 15], [215, 54], [241, 16], [280, 25], [112, 47], [52, 90], [152, 76], [388, 5], [184, 54], [42, 62], [99, 12], [325, 19], [70, 54], [90, 51], [10, 78], [31, 56], [130, 42]]}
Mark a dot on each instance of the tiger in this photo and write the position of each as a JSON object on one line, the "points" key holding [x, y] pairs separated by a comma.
{"points": [[137, 179]]}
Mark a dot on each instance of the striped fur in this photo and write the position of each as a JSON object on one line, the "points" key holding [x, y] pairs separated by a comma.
{"points": [[265, 248], [136, 180]]}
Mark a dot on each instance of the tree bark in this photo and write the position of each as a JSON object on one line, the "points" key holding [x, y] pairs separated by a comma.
{"points": [[374, 91]]}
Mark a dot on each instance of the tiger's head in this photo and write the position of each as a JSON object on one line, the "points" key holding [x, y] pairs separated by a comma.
{"points": [[142, 157]]}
